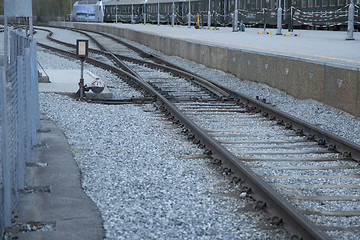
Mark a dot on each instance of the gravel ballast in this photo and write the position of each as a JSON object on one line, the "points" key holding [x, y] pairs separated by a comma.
{"points": [[134, 167], [331, 119], [144, 175], [135, 187]]}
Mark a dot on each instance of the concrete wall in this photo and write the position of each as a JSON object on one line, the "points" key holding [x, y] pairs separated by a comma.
{"points": [[335, 86]]}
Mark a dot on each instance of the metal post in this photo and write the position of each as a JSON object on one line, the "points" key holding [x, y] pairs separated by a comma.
{"points": [[144, 13], [22, 118], [284, 17], [264, 11], [81, 84], [350, 29], [189, 16], [6, 41], [132, 13], [236, 18], [173, 14], [209, 15], [291, 27], [5, 146], [82, 51], [70, 2], [158, 15], [279, 22], [116, 10], [31, 26]]}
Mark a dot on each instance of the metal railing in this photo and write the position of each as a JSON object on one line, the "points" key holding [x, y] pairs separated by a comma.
{"points": [[19, 118]]}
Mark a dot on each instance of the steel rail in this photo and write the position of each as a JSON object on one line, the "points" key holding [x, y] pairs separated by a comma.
{"points": [[160, 63], [117, 59], [282, 211], [145, 100], [348, 149]]}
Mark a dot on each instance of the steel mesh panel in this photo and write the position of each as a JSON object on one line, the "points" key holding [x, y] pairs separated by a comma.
{"points": [[2, 147], [20, 119], [13, 128]]}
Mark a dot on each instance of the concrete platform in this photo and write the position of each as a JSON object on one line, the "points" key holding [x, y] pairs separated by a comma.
{"points": [[328, 47], [319, 65], [321, 46], [57, 201], [67, 82]]}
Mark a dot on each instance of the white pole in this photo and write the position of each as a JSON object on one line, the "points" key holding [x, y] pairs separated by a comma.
{"points": [[236, 18], [264, 12], [31, 26], [173, 14], [350, 29], [189, 17], [209, 15], [279, 22], [116, 10], [132, 13], [158, 15]]}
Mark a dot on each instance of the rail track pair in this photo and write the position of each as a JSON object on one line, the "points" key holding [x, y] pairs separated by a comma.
{"points": [[270, 153]]}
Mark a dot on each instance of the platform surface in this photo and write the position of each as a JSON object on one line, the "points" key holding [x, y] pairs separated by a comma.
{"points": [[330, 47]]}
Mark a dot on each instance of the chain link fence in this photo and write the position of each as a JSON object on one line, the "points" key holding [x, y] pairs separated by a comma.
{"points": [[19, 118]]}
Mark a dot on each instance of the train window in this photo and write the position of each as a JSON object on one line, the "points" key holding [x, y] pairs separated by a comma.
{"points": [[253, 4], [341, 3], [272, 3], [325, 3], [317, 3], [310, 3], [303, 3]]}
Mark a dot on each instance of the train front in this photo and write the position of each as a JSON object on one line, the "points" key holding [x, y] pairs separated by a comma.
{"points": [[87, 11]]}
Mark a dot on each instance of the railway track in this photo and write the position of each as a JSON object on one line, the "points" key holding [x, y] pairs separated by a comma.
{"points": [[307, 178]]}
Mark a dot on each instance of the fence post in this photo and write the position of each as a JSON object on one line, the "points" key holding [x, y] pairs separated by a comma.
{"points": [[279, 22], [34, 91], [236, 18], [5, 157], [173, 14], [350, 29], [21, 121]]}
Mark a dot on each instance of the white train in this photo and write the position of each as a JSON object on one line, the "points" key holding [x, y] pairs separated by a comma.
{"points": [[87, 11]]}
